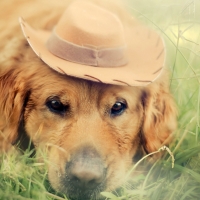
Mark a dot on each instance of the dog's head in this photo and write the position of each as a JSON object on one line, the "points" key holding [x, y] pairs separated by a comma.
{"points": [[92, 131]]}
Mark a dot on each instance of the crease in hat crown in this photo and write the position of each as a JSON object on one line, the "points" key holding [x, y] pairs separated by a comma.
{"points": [[89, 35]]}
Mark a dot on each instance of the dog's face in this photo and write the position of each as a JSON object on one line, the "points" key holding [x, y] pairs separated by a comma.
{"points": [[92, 131]]}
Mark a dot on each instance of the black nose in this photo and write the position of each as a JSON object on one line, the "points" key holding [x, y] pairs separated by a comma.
{"points": [[86, 170]]}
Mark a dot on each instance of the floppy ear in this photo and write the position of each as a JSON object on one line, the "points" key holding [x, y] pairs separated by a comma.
{"points": [[13, 95], [160, 116]]}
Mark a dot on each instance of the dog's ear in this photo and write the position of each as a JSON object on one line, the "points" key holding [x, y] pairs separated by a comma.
{"points": [[13, 95], [160, 116]]}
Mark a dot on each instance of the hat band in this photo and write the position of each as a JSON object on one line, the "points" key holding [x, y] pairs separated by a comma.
{"points": [[107, 57]]}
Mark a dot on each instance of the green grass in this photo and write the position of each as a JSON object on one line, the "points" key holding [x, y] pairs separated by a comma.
{"points": [[23, 178]]}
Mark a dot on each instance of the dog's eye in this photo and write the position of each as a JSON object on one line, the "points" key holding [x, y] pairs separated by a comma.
{"points": [[118, 108], [56, 106]]}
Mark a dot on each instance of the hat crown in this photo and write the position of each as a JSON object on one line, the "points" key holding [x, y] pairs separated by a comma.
{"points": [[86, 24], [99, 40]]}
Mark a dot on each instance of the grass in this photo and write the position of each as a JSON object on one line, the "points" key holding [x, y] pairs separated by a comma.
{"points": [[23, 178]]}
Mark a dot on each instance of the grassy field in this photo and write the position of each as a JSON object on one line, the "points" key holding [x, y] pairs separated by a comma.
{"points": [[179, 23]]}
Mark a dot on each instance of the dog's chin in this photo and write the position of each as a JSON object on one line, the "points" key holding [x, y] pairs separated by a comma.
{"points": [[80, 196], [63, 185], [75, 193]]}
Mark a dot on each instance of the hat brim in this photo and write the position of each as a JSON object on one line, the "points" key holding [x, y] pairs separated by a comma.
{"points": [[145, 52]]}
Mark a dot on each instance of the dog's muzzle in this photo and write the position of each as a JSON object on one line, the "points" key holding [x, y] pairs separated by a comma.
{"points": [[85, 174]]}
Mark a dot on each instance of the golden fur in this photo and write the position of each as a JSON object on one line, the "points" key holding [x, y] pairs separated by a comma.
{"points": [[26, 84]]}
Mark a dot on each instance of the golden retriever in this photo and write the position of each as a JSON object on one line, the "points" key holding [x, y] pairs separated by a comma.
{"points": [[94, 131]]}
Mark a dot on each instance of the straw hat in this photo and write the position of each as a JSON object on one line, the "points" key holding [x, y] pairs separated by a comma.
{"points": [[95, 43]]}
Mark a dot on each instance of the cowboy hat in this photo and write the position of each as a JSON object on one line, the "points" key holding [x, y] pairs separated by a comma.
{"points": [[95, 43]]}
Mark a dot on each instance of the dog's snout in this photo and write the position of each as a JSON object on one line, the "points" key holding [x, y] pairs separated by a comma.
{"points": [[86, 170]]}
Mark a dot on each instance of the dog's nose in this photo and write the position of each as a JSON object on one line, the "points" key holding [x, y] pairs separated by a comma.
{"points": [[86, 170], [87, 177]]}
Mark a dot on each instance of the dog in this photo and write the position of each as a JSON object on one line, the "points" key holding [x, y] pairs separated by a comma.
{"points": [[93, 131]]}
